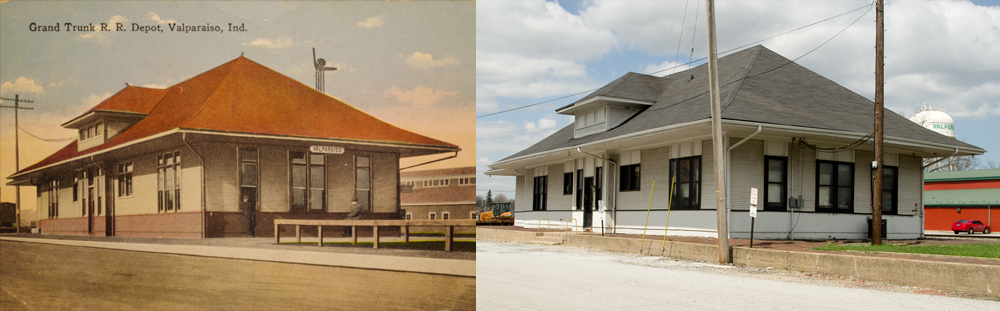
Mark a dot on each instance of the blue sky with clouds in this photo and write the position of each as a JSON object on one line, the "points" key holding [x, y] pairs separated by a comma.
{"points": [[940, 53]]}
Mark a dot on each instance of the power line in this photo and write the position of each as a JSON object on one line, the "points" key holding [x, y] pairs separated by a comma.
{"points": [[55, 140], [869, 6]]}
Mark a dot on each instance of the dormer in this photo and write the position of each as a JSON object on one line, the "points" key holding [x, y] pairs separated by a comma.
{"points": [[615, 103], [601, 113], [97, 127], [114, 115]]}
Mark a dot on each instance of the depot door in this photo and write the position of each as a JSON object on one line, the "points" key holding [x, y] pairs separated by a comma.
{"points": [[588, 202], [90, 210]]}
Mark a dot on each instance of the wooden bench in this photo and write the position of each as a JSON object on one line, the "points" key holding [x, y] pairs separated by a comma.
{"points": [[404, 226]]}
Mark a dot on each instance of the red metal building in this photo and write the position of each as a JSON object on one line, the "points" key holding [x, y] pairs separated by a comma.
{"points": [[952, 196]]}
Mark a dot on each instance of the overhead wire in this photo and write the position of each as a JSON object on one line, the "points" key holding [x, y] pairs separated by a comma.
{"points": [[680, 34], [54, 140], [869, 6]]}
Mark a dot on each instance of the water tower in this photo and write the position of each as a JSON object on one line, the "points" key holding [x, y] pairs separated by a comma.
{"points": [[935, 120]]}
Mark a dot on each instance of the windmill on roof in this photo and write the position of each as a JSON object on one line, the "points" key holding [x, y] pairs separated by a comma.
{"points": [[320, 65]]}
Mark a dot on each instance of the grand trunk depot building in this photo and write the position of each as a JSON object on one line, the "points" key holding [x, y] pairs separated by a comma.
{"points": [[796, 136], [178, 162]]}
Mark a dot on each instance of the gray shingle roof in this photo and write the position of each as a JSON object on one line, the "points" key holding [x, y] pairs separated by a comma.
{"points": [[756, 85]]}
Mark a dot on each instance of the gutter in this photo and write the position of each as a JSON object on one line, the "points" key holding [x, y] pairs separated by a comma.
{"points": [[634, 135], [204, 223], [610, 190], [939, 160]]}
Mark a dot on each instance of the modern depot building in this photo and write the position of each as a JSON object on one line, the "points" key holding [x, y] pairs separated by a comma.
{"points": [[796, 136], [179, 161]]}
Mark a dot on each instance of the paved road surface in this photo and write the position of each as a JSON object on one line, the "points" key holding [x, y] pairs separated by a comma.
{"points": [[48, 277], [515, 276]]}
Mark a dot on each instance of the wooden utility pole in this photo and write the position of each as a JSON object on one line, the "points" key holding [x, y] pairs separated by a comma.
{"points": [[717, 149], [879, 116], [17, 151]]}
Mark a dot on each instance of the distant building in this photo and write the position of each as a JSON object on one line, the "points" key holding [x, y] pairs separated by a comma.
{"points": [[185, 161], [439, 194], [957, 195], [8, 214]]}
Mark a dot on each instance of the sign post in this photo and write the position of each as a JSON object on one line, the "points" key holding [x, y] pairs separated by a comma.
{"points": [[753, 212]]}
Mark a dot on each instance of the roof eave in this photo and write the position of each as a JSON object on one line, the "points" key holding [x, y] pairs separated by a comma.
{"points": [[94, 114], [590, 103]]}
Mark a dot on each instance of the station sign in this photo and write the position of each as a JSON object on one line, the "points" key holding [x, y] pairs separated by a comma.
{"points": [[326, 149]]}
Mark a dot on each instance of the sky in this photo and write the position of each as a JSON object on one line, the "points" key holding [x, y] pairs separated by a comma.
{"points": [[411, 64], [940, 53]]}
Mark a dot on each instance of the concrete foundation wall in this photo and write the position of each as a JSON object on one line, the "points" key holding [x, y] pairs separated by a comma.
{"points": [[981, 279]]}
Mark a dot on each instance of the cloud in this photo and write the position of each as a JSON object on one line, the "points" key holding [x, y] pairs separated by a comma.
{"points": [[665, 68], [545, 123], [276, 43], [426, 61], [156, 18], [155, 86], [421, 95], [104, 37], [22, 85], [371, 22]]}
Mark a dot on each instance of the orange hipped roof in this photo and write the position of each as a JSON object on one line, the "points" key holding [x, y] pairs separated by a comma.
{"points": [[243, 96]]}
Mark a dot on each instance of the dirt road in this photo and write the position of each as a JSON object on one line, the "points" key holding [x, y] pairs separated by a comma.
{"points": [[47, 277]]}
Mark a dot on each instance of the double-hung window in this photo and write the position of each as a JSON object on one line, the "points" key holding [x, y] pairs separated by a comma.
{"points": [[630, 178], [834, 187], [53, 198], [308, 181], [168, 180], [540, 193], [687, 187], [776, 180], [567, 183], [125, 179], [890, 183]]}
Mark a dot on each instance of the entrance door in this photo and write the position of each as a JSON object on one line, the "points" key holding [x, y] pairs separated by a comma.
{"points": [[90, 210], [588, 202]]}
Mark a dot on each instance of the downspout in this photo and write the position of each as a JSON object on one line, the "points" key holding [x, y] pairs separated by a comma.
{"points": [[939, 160], [609, 190], [921, 211], [204, 227], [728, 168], [791, 169]]}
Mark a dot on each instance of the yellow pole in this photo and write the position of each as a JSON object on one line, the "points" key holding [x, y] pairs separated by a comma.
{"points": [[643, 242], [669, 201]]}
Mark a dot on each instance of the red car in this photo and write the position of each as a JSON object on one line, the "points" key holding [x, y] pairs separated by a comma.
{"points": [[970, 226]]}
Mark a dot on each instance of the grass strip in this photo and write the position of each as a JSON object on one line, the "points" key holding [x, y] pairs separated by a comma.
{"points": [[987, 250]]}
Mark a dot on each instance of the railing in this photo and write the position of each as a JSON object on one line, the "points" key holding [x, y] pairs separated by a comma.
{"points": [[574, 224], [548, 224], [404, 226]]}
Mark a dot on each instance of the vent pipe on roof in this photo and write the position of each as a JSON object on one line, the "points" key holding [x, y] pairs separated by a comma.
{"points": [[321, 68]]}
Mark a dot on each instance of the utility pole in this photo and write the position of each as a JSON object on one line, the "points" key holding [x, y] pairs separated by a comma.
{"points": [[717, 149], [17, 151], [879, 116]]}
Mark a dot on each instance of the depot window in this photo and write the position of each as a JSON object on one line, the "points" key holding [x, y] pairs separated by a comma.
{"points": [[687, 185], [540, 193], [168, 181], [630, 178], [890, 183], [834, 187], [308, 186]]}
